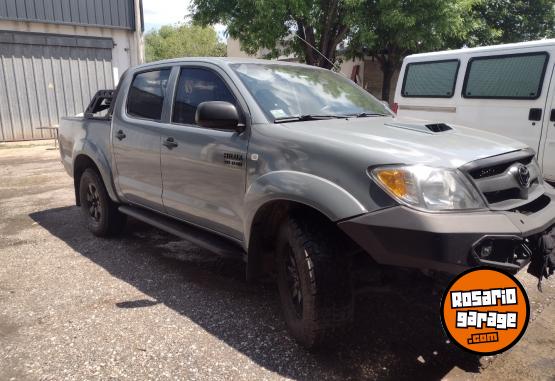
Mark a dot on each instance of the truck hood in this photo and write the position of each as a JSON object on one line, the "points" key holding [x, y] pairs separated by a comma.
{"points": [[405, 141]]}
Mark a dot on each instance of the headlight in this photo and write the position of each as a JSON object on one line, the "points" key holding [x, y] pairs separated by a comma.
{"points": [[428, 188]]}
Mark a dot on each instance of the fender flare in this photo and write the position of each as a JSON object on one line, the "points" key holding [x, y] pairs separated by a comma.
{"points": [[314, 191], [98, 157]]}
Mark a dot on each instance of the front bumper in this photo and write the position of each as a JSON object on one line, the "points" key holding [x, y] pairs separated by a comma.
{"points": [[451, 242]]}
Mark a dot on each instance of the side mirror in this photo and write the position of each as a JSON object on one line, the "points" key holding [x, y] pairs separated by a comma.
{"points": [[217, 115]]}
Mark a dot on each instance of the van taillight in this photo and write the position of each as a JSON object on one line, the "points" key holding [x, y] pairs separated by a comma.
{"points": [[395, 107]]}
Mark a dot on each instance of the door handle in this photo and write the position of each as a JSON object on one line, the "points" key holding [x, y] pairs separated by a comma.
{"points": [[170, 143], [120, 135], [552, 117], [535, 114]]}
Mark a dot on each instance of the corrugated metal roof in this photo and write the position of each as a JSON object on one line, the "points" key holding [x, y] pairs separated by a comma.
{"points": [[104, 13]]}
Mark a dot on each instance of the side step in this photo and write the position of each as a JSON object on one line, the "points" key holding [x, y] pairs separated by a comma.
{"points": [[193, 234]]}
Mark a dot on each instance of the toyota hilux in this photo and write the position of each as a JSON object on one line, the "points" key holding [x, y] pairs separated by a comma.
{"points": [[306, 177]]}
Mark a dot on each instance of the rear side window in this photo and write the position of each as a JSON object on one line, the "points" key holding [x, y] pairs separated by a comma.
{"points": [[195, 86], [516, 76], [434, 79], [146, 95]]}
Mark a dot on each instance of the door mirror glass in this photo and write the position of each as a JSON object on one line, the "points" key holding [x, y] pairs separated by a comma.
{"points": [[218, 115]]}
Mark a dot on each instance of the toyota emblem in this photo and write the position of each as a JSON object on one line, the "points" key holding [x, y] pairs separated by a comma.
{"points": [[522, 175]]}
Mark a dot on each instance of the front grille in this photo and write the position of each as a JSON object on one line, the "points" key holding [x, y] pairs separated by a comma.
{"points": [[502, 195], [498, 169], [499, 181]]}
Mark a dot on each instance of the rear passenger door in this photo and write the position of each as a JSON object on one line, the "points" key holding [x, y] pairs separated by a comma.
{"points": [[203, 170], [136, 138], [505, 94]]}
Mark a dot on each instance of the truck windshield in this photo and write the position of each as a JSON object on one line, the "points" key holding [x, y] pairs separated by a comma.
{"points": [[298, 93]]}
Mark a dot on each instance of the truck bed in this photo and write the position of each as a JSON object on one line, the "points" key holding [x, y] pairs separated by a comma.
{"points": [[79, 134]]}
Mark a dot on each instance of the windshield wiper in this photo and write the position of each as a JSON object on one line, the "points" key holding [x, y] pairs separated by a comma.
{"points": [[307, 117], [367, 114]]}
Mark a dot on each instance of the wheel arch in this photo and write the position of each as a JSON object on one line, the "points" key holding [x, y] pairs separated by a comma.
{"points": [[265, 230], [271, 198], [80, 164], [306, 189]]}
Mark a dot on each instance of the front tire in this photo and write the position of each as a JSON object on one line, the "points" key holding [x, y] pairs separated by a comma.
{"points": [[100, 213], [314, 281]]}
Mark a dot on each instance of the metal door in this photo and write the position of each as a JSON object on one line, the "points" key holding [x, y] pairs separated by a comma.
{"points": [[136, 129], [203, 170], [43, 79], [547, 148]]}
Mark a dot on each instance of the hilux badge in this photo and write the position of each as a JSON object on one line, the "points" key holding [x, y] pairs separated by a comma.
{"points": [[522, 175]]}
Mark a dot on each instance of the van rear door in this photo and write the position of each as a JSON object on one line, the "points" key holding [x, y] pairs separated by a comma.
{"points": [[506, 94], [547, 150]]}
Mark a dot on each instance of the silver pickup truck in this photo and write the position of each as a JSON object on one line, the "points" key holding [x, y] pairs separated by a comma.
{"points": [[307, 178]]}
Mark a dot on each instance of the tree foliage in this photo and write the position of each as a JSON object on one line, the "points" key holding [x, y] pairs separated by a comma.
{"points": [[505, 21], [272, 25], [182, 40], [397, 28], [385, 29]]}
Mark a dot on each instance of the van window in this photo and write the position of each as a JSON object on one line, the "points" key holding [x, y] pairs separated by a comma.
{"points": [[146, 95], [517, 76], [195, 86], [430, 79]]}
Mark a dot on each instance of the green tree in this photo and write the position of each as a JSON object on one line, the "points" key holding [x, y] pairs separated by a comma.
{"points": [[272, 24], [182, 40], [505, 21], [389, 30]]}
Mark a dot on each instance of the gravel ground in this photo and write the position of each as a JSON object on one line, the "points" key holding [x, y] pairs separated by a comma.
{"points": [[147, 305]]}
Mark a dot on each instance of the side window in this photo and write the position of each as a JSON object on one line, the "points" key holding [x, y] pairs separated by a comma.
{"points": [[517, 76], [435, 79], [146, 95], [195, 86]]}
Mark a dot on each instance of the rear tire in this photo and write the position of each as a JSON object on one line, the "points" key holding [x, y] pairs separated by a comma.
{"points": [[314, 281], [100, 213]]}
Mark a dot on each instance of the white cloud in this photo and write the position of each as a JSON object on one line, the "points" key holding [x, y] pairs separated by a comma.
{"points": [[163, 12]]}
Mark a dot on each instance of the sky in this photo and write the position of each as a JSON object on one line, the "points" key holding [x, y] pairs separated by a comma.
{"points": [[162, 12]]}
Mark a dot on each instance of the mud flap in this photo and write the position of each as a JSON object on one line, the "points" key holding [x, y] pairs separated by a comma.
{"points": [[542, 263]]}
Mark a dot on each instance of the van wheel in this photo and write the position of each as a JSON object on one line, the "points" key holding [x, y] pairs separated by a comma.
{"points": [[314, 282], [99, 212]]}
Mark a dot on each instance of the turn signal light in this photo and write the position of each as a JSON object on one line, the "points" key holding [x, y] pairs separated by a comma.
{"points": [[394, 180]]}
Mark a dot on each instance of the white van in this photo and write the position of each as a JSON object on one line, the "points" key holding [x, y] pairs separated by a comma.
{"points": [[506, 89]]}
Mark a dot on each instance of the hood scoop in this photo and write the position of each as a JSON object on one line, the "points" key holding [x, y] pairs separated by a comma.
{"points": [[431, 128]]}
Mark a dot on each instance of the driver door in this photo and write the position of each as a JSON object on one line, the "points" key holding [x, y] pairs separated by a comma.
{"points": [[203, 170]]}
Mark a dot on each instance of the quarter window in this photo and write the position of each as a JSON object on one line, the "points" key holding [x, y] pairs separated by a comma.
{"points": [[194, 87], [517, 76], [146, 95], [430, 79]]}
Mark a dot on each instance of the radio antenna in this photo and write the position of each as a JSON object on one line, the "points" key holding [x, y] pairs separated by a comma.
{"points": [[320, 53]]}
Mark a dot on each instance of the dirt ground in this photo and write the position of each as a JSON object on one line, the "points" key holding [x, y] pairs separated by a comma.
{"points": [[147, 305]]}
